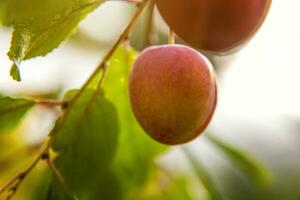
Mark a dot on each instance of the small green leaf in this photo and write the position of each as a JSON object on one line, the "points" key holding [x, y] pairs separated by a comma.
{"points": [[85, 139], [204, 176], [40, 26], [249, 165], [136, 150], [15, 73], [12, 111]]}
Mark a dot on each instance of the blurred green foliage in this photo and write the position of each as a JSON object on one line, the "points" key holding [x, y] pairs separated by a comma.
{"points": [[12, 111], [254, 170], [136, 151], [204, 176]]}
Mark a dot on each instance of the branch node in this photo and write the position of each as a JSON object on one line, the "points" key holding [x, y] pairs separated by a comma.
{"points": [[45, 156]]}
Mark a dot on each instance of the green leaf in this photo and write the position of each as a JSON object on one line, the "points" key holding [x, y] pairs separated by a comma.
{"points": [[40, 26], [85, 139], [15, 73], [245, 162], [136, 151], [204, 176], [11, 112]]}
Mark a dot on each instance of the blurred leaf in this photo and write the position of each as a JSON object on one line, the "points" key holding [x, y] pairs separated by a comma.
{"points": [[85, 139], [204, 176], [40, 26], [12, 111], [179, 190], [249, 165], [176, 188], [15, 73], [41, 185], [136, 151]]}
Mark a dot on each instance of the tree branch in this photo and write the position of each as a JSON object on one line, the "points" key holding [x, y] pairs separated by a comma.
{"points": [[50, 102], [54, 170], [13, 184], [105, 60]]}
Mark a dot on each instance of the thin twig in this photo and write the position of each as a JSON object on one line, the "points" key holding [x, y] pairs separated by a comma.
{"points": [[123, 37], [105, 60], [102, 77], [50, 102], [14, 189], [58, 175], [16, 181], [11, 181], [54, 170]]}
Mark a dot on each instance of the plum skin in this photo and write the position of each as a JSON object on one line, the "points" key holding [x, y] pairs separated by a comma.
{"points": [[214, 25], [173, 93]]}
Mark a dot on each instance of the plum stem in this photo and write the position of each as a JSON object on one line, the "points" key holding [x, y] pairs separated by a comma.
{"points": [[171, 36]]}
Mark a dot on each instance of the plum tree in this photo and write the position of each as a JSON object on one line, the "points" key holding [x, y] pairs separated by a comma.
{"points": [[214, 25], [173, 93]]}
